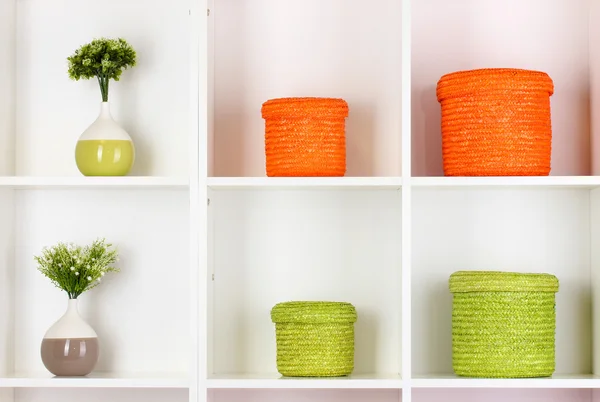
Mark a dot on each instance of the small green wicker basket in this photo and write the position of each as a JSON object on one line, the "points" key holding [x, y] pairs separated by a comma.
{"points": [[314, 339], [503, 324]]}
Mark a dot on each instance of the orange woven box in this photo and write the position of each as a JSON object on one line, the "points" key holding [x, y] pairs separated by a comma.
{"points": [[496, 122], [305, 136]]}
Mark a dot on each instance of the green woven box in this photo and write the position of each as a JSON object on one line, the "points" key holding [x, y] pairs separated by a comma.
{"points": [[314, 339], [503, 324]]}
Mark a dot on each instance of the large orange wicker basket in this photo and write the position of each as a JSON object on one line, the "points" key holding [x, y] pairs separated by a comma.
{"points": [[496, 122], [305, 136]]}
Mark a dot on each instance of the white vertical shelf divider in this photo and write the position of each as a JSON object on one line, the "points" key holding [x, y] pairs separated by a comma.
{"points": [[201, 102], [595, 275], [7, 84], [210, 168], [210, 85], [7, 127], [406, 202], [7, 291], [594, 70]]}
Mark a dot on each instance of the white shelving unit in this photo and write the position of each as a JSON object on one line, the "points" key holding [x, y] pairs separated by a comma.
{"points": [[209, 244], [147, 317]]}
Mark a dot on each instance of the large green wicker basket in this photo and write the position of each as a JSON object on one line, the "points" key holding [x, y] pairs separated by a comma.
{"points": [[314, 339], [503, 324]]}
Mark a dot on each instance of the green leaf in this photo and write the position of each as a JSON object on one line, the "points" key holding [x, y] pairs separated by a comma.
{"points": [[104, 58]]}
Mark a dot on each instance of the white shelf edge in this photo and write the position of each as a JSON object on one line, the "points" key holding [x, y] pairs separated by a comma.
{"points": [[558, 381], [124, 182], [395, 183], [232, 183], [275, 382], [95, 380], [508, 181]]}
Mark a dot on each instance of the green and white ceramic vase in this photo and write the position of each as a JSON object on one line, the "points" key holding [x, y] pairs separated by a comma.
{"points": [[104, 149]]}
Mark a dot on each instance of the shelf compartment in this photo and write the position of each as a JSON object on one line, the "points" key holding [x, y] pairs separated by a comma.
{"points": [[51, 111], [350, 52], [126, 310], [556, 381], [449, 37], [276, 381], [280, 183], [522, 230], [268, 247], [95, 380]]}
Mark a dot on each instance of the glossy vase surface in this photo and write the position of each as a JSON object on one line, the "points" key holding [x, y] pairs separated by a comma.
{"points": [[105, 148], [70, 347]]}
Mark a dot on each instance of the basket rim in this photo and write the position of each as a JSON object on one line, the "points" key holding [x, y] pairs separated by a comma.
{"points": [[313, 312], [300, 106], [499, 281], [482, 80]]}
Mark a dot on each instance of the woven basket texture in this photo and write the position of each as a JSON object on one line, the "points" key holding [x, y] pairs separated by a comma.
{"points": [[496, 122], [305, 136], [503, 324], [314, 339]]}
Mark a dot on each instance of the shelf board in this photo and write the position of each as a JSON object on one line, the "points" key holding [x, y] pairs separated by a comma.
{"points": [[95, 380], [557, 381], [395, 183], [82, 182], [588, 182], [246, 381], [279, 183]]}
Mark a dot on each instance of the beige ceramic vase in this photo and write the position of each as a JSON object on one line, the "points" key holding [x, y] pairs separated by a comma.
{"points": [[70, 346]]}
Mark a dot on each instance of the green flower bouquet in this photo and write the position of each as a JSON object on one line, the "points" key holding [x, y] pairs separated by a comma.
{"points": [[103, 58], [76, 269]]}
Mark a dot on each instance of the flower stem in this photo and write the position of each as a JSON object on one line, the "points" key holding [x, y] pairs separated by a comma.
{"points": [[103, 82], [106, 81]]}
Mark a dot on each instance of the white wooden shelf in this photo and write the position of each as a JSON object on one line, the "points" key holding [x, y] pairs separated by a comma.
{"points": [[557, 381], [199, 278], [589, 182], [276, 183], [95, 380], [279, 382], [395, 183], [82, 182]]}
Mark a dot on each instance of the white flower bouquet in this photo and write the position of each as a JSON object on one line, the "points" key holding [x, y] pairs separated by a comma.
{"points": [[76, 269]]}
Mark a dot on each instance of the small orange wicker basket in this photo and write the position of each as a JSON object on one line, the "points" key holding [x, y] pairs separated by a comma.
{"points": [[496, 122], [305, 136]]}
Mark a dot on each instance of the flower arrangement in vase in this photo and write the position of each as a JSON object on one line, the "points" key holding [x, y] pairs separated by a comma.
{"points": [[105, 148], [70, 347]]}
